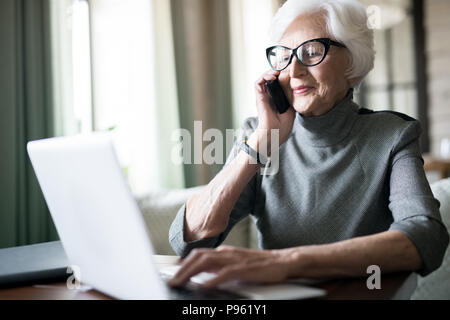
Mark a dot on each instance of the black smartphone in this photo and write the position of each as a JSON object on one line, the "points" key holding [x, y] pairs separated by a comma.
{"points": [[278, 96]]}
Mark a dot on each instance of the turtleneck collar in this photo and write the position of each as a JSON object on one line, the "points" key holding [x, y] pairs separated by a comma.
{"points": [[330, 128]]}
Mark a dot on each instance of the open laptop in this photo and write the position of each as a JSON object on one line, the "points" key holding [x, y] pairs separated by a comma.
{"points": [[103, 231]]}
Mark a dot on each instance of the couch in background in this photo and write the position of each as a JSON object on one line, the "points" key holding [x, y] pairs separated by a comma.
{"points": [[159, 210], [437, 284]]}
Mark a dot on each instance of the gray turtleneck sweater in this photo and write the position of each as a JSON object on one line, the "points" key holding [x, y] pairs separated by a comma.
{"points": [[351, 172]]}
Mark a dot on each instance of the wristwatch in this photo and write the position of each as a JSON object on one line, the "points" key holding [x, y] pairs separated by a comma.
{"points": [[260, 159]]}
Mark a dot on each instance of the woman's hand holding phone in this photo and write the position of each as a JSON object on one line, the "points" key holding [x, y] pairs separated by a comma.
{"points": [[268, 115]]}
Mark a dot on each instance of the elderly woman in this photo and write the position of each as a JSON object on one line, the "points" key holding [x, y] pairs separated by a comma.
{"points": [[350, 191]]}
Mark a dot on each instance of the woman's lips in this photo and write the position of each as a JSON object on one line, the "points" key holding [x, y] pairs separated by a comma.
{"points": [[301, 89]]}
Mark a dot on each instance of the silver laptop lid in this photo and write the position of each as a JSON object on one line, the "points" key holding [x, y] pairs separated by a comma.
{"points": [[96, 216]]}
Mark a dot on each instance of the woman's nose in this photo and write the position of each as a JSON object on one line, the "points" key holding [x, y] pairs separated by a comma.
{"points": [[297, 69]]}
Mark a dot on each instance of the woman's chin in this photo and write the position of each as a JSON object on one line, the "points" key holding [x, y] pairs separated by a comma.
{"points": [[305, 111]]}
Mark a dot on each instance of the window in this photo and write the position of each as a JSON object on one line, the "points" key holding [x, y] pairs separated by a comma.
{"points": [[392, 85], [124, 94], [250, 21], [106, 79], [81, 59]]}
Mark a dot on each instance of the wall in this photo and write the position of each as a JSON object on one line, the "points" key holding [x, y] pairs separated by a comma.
{"points": [[437, 25]]}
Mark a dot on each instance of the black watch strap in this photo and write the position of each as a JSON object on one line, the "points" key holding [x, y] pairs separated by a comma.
{"points": [[260, 159]]}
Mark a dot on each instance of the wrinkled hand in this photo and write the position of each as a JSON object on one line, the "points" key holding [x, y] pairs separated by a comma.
{"points": [[232, 263], [268, 116]]}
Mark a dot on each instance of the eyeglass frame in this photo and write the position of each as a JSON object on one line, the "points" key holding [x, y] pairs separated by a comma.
{"points": [[327, 42]]}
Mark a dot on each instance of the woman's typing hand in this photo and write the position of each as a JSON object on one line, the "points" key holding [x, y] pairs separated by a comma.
{"points": [[232, 263]]}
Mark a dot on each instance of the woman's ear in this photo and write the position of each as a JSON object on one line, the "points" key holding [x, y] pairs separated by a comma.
{"points": [[353, 81]]}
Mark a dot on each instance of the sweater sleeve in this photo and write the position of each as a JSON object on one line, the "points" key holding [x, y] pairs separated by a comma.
{"points": [[414, 209], [243, 207]]}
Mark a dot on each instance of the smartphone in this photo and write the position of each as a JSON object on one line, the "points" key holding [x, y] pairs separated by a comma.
{"points": [[278, 96]]}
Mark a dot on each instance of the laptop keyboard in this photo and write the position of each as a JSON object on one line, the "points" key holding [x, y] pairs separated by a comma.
{"points": [[200, 278]]}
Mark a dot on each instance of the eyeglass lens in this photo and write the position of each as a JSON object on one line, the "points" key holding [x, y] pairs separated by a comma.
{"points": [[309, 54]]}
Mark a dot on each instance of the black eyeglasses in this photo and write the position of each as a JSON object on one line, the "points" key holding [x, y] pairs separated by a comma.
{"points": [[310, 53]]}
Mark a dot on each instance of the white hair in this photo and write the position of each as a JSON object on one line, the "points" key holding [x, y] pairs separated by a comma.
{"points": [[346, 21]]}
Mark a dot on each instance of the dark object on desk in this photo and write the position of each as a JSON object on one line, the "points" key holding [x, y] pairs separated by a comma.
{"points": [[35, 263]]}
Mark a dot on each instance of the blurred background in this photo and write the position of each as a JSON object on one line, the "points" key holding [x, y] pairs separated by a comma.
{"points": [[140, 69]]}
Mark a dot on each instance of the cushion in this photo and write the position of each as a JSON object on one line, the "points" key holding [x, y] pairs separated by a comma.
{"points": [[159, 209], [437, 284]]}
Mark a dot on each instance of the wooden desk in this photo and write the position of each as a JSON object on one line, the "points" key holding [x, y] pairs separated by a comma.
{"points": [[393, 286]]}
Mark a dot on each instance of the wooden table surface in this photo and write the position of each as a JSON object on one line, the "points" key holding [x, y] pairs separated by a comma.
{"points": [[393, 286]]}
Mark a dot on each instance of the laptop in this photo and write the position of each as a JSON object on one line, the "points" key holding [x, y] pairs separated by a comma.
{"points": [[103, 232]]}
